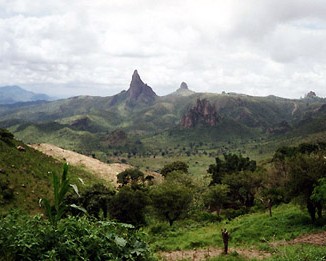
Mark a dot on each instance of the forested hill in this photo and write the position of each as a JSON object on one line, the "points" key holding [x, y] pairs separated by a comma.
{"points": [[139, 112]]}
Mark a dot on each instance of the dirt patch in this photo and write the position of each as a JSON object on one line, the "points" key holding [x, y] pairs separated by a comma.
{"points": [[203, 254], [314, 239], [100, 169]]}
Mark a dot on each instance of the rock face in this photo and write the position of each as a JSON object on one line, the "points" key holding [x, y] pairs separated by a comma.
{"points": [[139, 92], [183, 86], [203, 113]]}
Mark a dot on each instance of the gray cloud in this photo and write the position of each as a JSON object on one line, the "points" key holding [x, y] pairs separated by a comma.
{"points": [[258, 47]]}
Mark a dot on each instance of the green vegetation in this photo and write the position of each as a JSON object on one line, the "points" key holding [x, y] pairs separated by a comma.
{"points": [[185, 210], [255, 229], [32, 238], [128, 206], [171, 200], [132, 176], [60, 238], [174, 166]]}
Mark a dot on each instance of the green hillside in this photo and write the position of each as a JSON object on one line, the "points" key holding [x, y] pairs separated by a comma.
{"points": [[88, 124], [25, 175]]}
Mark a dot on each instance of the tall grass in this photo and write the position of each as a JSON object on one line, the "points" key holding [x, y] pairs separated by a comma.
{"points": [[257, 230]]}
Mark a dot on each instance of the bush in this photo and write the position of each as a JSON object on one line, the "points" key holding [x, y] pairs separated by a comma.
{"points": [[6, 136], [32, 238], [129, 205]]}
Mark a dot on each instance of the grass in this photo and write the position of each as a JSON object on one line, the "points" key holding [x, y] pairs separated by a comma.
{"points": [[299, 252], [256, 229]]}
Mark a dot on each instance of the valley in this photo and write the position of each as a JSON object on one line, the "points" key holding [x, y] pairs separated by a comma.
{"points": [[173, 170]]}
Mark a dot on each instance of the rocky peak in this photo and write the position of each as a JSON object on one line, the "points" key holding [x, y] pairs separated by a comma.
{"points": [[203, 113], [311, 94], [183, 86], [183, 90], [139, 91]]}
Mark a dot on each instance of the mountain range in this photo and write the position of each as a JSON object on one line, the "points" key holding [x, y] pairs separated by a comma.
{"points": [[15, 94], [89, 122]]}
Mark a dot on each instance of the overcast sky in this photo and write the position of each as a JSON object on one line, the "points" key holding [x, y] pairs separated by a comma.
{"points": [[92, 47]]}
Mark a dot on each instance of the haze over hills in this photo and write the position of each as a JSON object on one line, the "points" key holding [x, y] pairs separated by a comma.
{"points": [[14, 94], [88, 122]]}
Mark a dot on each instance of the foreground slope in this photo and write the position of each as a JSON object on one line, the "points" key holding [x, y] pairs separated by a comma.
{"points": [[26, 172]]}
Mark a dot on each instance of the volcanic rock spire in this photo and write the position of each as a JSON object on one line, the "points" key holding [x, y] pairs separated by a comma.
{"points": [[139, 92]]}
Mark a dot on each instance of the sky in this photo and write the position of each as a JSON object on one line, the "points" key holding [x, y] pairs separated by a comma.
{"points": [[91, 47]]}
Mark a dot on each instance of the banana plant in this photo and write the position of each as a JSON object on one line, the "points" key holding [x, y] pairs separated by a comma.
{"points": [[60, 188]]}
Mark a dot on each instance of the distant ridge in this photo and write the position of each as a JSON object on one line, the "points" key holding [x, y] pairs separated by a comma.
{"points": [[14, 94]]}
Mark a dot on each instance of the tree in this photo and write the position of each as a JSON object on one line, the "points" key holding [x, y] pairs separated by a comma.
{"points": [[319, 192], [128, 206], [174, 166], [216, 197], [243, 187], [232, 163], [130, 176], [304, 173], [302, 169], [6, 136], [171, 200]]}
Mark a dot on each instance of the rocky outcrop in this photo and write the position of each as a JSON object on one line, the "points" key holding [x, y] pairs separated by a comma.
{"points": [[139, 92], [202, 114], [183, 90], [183, 86]]}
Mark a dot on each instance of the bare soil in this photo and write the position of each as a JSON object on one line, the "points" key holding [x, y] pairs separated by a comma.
{"points": [[203, 254], [107, 172], [314, 239]]}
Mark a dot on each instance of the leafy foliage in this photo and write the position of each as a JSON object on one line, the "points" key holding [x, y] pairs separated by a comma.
{"points": [[319, 193], [171, 200], [216, 197], [238, 173], [232, 163], [174, 166], [6, 136], [60, 188], [94, 200], [128, 206], [302, 167], [31, 238], [132, 176]]}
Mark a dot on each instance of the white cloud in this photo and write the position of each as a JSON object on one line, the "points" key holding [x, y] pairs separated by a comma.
{"points": [[259, 47]]}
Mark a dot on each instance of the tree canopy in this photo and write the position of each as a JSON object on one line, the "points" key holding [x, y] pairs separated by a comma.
{"points": [[174, 166]]}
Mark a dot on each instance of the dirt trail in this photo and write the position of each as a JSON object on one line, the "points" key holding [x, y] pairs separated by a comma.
{"points": [[204, 254], [100, 169]]}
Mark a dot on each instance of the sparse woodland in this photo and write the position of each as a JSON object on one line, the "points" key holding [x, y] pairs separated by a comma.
{"points": [[262, 205]]}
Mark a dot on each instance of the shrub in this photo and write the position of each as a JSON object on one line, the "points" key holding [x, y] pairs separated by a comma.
{"points": [[33, 238]]}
